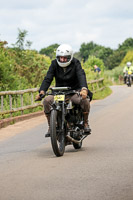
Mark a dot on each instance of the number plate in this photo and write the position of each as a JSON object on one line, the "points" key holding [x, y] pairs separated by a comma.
{"points": [[59, 97]]}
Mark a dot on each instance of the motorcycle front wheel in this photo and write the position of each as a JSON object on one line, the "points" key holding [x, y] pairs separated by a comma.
{"points": [[57, 137]]}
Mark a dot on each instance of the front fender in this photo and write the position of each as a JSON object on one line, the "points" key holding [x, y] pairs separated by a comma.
{"points": [[56, 106]]}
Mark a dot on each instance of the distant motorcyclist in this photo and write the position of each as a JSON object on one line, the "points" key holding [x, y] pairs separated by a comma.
{"points": [[67, 72], [128, 69]]}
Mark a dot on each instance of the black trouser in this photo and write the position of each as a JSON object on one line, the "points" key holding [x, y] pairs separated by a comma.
{"points": [[85, 104]]}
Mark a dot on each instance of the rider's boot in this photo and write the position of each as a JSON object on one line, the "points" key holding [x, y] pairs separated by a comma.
{"points": [[87, 130], [48, 119]]}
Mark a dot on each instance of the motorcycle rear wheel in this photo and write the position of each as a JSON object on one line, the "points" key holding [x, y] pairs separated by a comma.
{"points": [[57, 138], [129, 81]]}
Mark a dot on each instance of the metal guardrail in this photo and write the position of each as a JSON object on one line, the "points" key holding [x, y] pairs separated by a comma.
{"points": [[10, 98]]}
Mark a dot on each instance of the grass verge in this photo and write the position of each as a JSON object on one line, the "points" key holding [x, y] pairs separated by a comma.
{"points": [[102, 94]]}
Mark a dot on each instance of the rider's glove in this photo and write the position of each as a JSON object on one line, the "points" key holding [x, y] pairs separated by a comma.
{"points": [[38, 97], [84, 93]]}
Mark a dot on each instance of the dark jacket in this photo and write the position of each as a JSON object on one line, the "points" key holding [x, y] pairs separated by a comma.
{"points": [[73, 77]]}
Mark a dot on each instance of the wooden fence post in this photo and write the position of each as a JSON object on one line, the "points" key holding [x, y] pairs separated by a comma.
{"points": [[21, 96], [2, 103], [31, 98], [10, 100]]}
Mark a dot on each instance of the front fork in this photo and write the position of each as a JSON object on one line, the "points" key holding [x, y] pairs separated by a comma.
{"points": [[60, 108], [63, 116]]}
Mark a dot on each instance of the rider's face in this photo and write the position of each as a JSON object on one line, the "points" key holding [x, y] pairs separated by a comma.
{"points": [[63, 59]]}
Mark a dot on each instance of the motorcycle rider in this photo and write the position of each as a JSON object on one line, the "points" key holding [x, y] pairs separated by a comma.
{"points": [[128, 68], [67, 72]]}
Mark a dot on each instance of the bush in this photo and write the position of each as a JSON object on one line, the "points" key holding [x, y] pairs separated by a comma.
{"points": [[88, 66], [21, 69], [113, 75], [128, 57]]}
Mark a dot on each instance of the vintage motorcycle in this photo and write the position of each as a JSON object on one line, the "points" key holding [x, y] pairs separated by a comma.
{"points": [[129, 79], [66, 121]]}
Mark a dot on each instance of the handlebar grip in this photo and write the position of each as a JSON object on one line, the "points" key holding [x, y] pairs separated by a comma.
{"points": [[41, 97], [38, 99]]}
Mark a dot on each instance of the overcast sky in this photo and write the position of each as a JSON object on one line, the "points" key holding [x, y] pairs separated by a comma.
{"points": [[104, 22]]}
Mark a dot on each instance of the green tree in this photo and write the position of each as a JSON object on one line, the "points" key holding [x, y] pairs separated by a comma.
{"points": [[92, 49], [126, 45], [33, 66], [89, 67], [87, 49], [102, 53], [115, 59], [21, 43], [20, 68], [128, 57], [9, 79], [49, 51], [91, 61], [78, 56]]}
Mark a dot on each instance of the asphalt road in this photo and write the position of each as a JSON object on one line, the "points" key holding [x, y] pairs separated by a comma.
{"points": [[101, 170]]}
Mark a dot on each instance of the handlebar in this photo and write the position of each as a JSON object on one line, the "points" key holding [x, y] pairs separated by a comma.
{"points": [[58, 90]]}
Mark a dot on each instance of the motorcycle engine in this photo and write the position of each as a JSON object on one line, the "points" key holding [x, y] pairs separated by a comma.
{"points": [[71, 118]]}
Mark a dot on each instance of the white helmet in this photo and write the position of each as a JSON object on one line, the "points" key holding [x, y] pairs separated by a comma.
{"points": [[64, 50], [128, 64]]}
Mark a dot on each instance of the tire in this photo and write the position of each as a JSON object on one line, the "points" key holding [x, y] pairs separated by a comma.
{"points": [[130, 81], [77, 146], [57, 138]]}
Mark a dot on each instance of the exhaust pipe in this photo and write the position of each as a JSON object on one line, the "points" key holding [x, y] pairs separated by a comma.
{"points": [[76, 141], [73, 140]]}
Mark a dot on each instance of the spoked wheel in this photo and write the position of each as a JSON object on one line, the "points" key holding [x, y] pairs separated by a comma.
{"points": [[57, 137], [130, 81], [79, 145]]}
